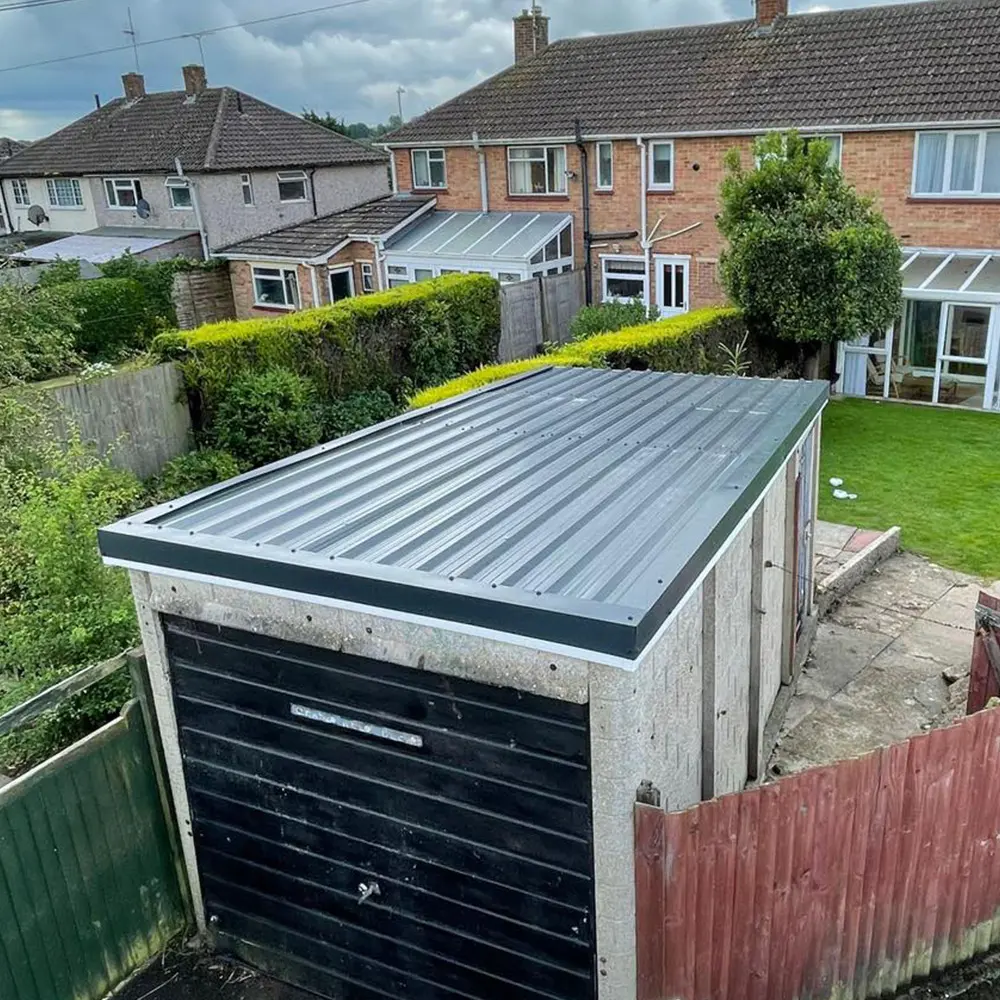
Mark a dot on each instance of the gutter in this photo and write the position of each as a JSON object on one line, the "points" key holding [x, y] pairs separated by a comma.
{"points": [[587, 238]]}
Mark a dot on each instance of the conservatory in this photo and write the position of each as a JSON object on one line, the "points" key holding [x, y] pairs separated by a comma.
{"points": [[945, 347], [510, 246]]}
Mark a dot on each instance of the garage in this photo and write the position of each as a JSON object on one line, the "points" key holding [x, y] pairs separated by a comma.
{"points": [[410, 683]]}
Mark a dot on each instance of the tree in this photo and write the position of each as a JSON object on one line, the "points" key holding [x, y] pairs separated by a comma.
{"points": [[809, 259], [356, 130]]}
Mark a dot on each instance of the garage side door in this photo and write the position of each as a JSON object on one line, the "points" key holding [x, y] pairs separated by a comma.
{"points": [[370, 831]]}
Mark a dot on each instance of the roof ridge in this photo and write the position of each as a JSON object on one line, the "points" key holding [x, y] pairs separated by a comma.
{"points": [[216, 133]]}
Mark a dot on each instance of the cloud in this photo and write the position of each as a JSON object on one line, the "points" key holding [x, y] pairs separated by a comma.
{"points": [[349, 62]]}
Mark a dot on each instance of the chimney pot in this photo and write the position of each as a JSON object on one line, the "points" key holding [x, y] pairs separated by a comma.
{"points": [[195, 81], [768, 11], [531, 33], [135, 86]]}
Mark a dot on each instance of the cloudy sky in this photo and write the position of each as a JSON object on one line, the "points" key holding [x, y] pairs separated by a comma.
{"points": [[348, 61]]}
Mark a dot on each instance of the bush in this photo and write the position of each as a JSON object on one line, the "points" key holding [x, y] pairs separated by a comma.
{"points": [[693, 342], [38, 332], [611, 316], [190, 473], [268, 415], [393, 342], [114, 316], [357, 412]]}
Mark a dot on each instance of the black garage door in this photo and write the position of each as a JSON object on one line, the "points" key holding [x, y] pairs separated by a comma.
{"points": [[370, 831]]}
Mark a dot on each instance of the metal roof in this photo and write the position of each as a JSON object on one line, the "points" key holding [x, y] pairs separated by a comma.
{"points": [[99, 246], [511, 236], [576, 506]]}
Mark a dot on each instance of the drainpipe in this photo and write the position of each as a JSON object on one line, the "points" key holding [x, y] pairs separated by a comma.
{"points": [[8, 219], [393, 178], [312, 188], [484, 183], [381, 276], [587, 240], [196, 205], [644, 216], [315, 286]]}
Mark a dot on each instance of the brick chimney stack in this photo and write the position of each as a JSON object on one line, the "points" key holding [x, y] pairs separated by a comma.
{"points": [[195, 80], [768, 11], [135, 86], [531, 33]]}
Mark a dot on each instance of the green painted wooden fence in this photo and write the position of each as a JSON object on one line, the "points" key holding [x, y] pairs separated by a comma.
{"points": [[89, 880]]}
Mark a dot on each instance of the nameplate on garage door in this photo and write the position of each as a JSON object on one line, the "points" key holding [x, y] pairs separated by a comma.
{"points": [[357, 726]]}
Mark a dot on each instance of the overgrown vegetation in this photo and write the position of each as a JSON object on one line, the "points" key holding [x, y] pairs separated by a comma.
{"points": [[190, 473], [704, 341], [366, 354], [809, 259], [610, 316]]}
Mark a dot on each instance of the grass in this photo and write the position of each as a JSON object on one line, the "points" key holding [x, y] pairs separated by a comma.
{"points": [[934, 472]]}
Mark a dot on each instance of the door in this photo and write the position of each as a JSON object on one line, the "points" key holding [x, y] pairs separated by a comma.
{"points": [[673, 285], [369, 831], [342, 284], [966, 361]]}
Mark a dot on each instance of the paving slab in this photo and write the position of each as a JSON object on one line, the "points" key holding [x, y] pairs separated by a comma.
{"points": [[833, 535], [856, 614]]}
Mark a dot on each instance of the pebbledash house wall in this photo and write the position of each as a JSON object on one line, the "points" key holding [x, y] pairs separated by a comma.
{"points": [[879, 164], [241, 275]]}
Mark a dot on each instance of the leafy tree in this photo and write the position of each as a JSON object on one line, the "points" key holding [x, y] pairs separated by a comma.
{"points": [[809, 259], [356, 130], [37, 335]]}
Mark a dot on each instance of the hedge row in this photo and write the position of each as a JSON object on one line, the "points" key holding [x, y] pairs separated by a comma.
{"points": [[688, 343], [398, 342]]}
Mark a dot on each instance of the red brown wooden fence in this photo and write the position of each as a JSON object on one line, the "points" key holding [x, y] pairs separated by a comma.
{"points": [[846, 881], [985, 680]]}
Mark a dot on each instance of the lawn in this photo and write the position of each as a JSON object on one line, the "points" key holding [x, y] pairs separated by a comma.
{"points": [[934, 472]]}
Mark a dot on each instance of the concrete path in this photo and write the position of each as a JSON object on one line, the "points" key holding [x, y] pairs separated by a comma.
{"points": [[889, 662]]}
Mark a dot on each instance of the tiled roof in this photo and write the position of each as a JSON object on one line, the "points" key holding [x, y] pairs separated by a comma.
{"points": [[935, 61], [318, 236], [8, 147], [219, 130]]}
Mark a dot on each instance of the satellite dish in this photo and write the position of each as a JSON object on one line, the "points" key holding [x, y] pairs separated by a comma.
{"points": [[36, 215], [142, 209]]}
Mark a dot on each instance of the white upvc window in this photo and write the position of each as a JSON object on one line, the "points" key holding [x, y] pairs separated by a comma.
{"points": [[835, 142], [292, 186], [398, 275], [276, 287], [538, 170], [623, 278], [246, 182], [179, 190], [123, 192], [957, 164], [64, 192], [673, 284], [429, 168], [367, 278], [22, 196], [661, 166], [605, 166]]}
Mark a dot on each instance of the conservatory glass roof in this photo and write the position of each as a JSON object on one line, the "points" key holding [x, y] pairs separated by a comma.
{"points": [[964, 275]]}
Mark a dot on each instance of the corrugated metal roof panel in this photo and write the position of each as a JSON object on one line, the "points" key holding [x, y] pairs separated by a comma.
{"points": [[572, 505]]}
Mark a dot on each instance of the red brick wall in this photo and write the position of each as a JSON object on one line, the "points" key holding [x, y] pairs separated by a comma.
{"points": [[879, 164]]}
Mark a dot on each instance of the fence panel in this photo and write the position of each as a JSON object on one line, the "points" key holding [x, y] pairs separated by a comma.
{"points": [[563, 296], [520, 320], [89, 886], [848, 881]]}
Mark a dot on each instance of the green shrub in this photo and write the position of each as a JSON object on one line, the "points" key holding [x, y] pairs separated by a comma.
{"points": [[610, 316], [690, 343], [192, 472], [114, 314], [38, 332], [394, 342], [358, 411], [268, 415], [59, 272]]}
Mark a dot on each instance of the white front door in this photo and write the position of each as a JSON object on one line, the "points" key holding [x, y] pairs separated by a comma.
{"points": [[673, 284], [967, 353]]}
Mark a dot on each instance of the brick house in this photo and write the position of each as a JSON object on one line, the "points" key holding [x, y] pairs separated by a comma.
{"points": [[207, 161], [635, 158]]}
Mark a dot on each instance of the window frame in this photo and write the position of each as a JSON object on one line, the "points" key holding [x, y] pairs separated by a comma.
{"points": [[642, 276], [293, 177], [828, 137], [118, 184], [946, 192], [246, 185], [675, 260], [21, 192], [175, 182], [610, 185], [548, 192], [347, 269], [443, 160], [653, 185], [51, 187], [367, 277], [282, 273]]}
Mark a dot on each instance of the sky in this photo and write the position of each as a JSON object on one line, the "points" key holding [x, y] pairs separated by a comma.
{"points": [[347, 61]]}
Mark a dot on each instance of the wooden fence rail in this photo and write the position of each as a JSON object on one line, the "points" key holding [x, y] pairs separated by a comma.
{"points": [[848, 881]]}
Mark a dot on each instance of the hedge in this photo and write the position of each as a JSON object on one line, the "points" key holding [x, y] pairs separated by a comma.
{"points": [[114, 314], [397, 341], [688, 343]]}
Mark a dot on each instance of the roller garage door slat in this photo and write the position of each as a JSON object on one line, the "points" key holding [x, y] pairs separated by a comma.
{"points": [[311, 773]]}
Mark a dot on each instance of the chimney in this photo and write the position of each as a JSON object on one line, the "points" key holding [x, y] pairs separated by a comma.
{"points": [[531, 33], [135, 86], [768, 11], [195, 80]]}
